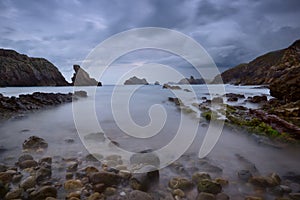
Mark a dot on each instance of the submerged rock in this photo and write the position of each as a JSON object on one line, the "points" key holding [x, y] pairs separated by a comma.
{"points": [[209, 186], [34, 143]]}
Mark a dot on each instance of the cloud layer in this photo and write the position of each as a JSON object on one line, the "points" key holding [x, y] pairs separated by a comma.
{"points": [[65, 31]]}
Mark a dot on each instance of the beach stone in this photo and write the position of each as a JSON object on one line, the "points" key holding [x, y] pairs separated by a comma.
{"points": [[221, 181], [198, 176], [95, 196], [244, 175], [28, 164], [107, 178], [46, 160], [3, 168], [180, 183], [222, 196], [50, 198], [5, 177], [147, 158], [34, 143], [43, 193], [90, 169], [139, 195], [74, 195], [72, 184], [100, 187], [125, 174], [178, 192], [109, 191], [17, 178], [72, 166], [209, 187], [25, 157], [253, 198], [43, 173], [14, 194], [294, 196], [27, 183], [206, 196]]}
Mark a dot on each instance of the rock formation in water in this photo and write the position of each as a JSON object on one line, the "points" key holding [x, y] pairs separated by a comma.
{"points": [[20, 70], [82, 78], [191, 80], [279, 69], [9, 106], [136, 81]]}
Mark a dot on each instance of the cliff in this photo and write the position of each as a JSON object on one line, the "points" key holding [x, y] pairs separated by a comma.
{"points": [[20, 70], [278, 69]]}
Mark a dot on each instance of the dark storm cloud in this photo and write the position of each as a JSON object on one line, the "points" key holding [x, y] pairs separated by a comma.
{"points": [[65, 31]]}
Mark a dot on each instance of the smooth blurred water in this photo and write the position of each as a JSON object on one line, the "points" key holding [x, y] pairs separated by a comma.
{"points": [[56, 124]]}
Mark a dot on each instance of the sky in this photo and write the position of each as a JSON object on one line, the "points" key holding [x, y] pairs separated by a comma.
{"points": [[66, 31]]}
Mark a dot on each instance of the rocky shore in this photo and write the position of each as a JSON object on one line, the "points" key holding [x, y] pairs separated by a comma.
{"points": [[16, 106], [36, 176]]}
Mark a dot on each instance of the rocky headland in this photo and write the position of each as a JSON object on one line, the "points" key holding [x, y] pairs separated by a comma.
{"points": [[20, 70]]}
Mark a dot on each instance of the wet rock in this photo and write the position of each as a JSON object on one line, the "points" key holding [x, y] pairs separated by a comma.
{"points": [[107, 178], [97, 137], [269, 181], [209, 187], [46, 160], [42, 174], [125, 174], [138, 195], [34, 143], [222, 196], [28, 164], [69, 140], [221, 181], [3, 168], [217, 100], [74, 195], [180, 183], [206, 196], [5, 177], [178, 193], [50, 198], [90, 170], [232, 99], [69, 175], [258, 99], [29, 182], [72, 185], [234, 95], [253, 198], [17, 178], [72, 166], [109, 191], [93, 158], [294, 196], [147, 158], [244, 175], [25, 157], [143, 181], [176, 100], [198, 176], [206, 166], [171, 87], [95, 196], [14, 194], [80, 93], [43, 193], [100, 187]]}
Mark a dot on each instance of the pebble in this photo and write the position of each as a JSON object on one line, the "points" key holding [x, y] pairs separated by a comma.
{"points": [[25, 157], [28, 164], [139, 195], [14, 194], [178, 192], [29, 182], [206, 196], [72, 184], [43, 192], [180, 183], [109, 191]]}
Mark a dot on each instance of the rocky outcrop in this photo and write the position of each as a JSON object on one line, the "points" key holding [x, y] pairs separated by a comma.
{"points": [[9, 106], [136, 81], [20, 70], [191, 81], [274, 68], [82, 78]]}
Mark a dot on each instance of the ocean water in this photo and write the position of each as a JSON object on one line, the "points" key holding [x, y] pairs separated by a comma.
{"points": [[57, 124]]}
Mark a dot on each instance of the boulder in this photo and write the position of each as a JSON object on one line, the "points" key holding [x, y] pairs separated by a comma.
{"points": [[34, 142]]}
